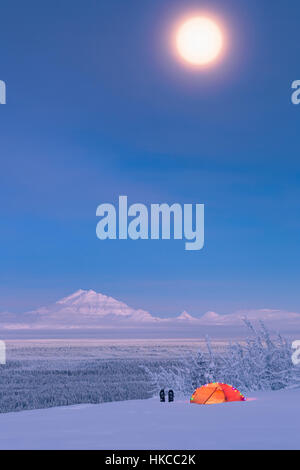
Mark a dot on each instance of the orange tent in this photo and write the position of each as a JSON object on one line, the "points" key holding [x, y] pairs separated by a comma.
{"points": [[211, 394]]}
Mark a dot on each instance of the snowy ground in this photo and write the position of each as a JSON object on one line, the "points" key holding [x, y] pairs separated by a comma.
{"points": [[270, 421]]}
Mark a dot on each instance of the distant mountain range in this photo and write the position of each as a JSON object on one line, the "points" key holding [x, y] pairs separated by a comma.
{"points": [[87, 309]]}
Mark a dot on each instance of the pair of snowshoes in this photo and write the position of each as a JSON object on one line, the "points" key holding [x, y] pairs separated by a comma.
{"points": [[162, 395]]}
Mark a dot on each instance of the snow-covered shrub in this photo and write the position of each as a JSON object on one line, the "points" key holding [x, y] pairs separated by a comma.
{"points": [[260, 363]]}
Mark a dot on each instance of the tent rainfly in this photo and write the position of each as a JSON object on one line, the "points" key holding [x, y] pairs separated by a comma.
{"points": [[211, 394]]}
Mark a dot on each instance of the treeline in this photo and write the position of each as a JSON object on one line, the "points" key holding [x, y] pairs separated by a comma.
{"points": [[25, 386]]}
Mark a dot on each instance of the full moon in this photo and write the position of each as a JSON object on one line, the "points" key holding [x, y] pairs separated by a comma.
{"points": [[199, 41]]}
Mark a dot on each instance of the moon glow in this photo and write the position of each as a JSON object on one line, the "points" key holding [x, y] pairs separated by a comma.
{"points": [[199, 41]]}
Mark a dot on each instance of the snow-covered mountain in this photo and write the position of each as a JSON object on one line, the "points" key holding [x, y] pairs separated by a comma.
{"points": [[89, 305], [185, 316], [265, 315], [87, 309], [82, 309]]}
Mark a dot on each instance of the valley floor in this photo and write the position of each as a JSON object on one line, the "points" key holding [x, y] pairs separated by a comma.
{"points": [[268, 420]]}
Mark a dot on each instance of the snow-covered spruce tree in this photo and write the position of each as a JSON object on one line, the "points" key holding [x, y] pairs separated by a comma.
{"points": [[266, 363], [200, 370], [262, 363], [175, 377], [259, 363]]}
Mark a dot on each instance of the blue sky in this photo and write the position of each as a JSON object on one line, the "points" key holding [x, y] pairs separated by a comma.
{"points": [[98, 107]]}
